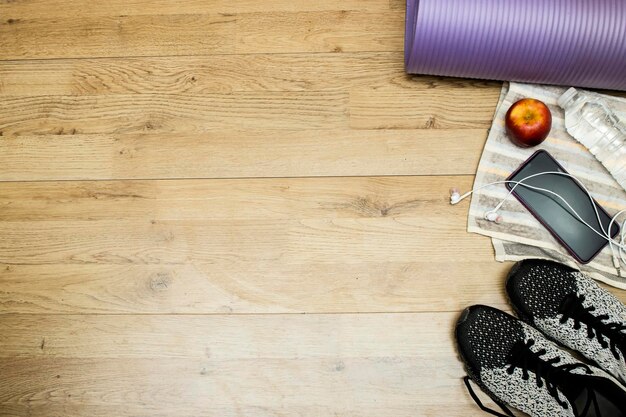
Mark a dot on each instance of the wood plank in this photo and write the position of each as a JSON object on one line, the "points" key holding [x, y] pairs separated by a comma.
{"points": [[172, 113], [66, 37], [230, 199], [227, 337], [342, 31], [239, 153], [407, 108], [201, 34], [63, 8], [281, 365], [319, 240], [210, 74], [375, 229], [343, 386], [286, 286]]}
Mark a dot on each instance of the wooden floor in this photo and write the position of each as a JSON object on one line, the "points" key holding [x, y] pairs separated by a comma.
{"points": [[232, 208]]}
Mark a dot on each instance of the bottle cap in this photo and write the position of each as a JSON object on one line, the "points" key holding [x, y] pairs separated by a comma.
{"points": [[567, 97]]}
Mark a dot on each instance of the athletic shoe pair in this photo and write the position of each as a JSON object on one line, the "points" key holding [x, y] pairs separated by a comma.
{"points": [[514, 363]]}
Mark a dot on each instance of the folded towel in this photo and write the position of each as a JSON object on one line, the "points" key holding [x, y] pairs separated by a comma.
{"points": [[520, 235]]}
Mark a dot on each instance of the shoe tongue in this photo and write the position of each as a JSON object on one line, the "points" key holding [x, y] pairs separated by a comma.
{"points": [[591, 392], [581, 401], [578, 391], [574, 389]]}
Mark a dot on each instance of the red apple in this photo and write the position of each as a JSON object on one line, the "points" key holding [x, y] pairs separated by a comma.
{"points": [[528, 122]]}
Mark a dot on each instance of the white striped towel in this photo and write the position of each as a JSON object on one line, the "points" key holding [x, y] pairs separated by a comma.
{"points": [[520, 235]]}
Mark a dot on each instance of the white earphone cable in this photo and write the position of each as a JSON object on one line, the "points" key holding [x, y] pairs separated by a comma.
{"points": [[618, 248]]}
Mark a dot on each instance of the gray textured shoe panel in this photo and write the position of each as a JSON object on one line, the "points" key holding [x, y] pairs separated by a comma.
{"points": [[524, 394]]}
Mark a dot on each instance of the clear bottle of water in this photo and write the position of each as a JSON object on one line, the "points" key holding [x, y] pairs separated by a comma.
{"points": [[592, 123]]}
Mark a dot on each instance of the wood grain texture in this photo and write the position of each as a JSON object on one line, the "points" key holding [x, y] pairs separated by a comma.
{"points": [[252, 365], [63, 8], [435, 108], [177, 113], [240, 153], [231, 199], [103, 36], [212, 74], [172, 113], [242, 246], [397, 4], [201, 34], [322, 240], [226, 337], [334, 31], [259, 287]]}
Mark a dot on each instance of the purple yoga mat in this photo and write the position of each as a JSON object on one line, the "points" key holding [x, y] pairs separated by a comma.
{"points": [[566, 42]]}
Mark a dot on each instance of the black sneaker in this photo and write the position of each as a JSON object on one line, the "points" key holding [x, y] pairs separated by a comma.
{"points": [[516, 365], [573, 310]]}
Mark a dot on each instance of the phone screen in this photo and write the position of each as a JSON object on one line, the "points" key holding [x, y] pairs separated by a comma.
{"points": [[553, 213]]}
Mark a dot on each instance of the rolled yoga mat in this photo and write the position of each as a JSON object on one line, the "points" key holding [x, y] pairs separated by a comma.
{"points": [[566, 42]]}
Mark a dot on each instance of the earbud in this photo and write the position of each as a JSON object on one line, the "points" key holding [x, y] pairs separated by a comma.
{"points": [[455, 196], [493, 216]]}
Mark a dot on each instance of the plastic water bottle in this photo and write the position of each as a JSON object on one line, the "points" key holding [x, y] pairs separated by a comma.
{"points": [[592, 123]]}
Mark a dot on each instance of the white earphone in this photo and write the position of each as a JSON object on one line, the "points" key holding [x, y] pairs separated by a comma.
{"points": [[493, 216], [617, 245]]}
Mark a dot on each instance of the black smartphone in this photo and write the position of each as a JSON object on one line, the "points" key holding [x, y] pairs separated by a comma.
{"points": [[580, 241]]}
